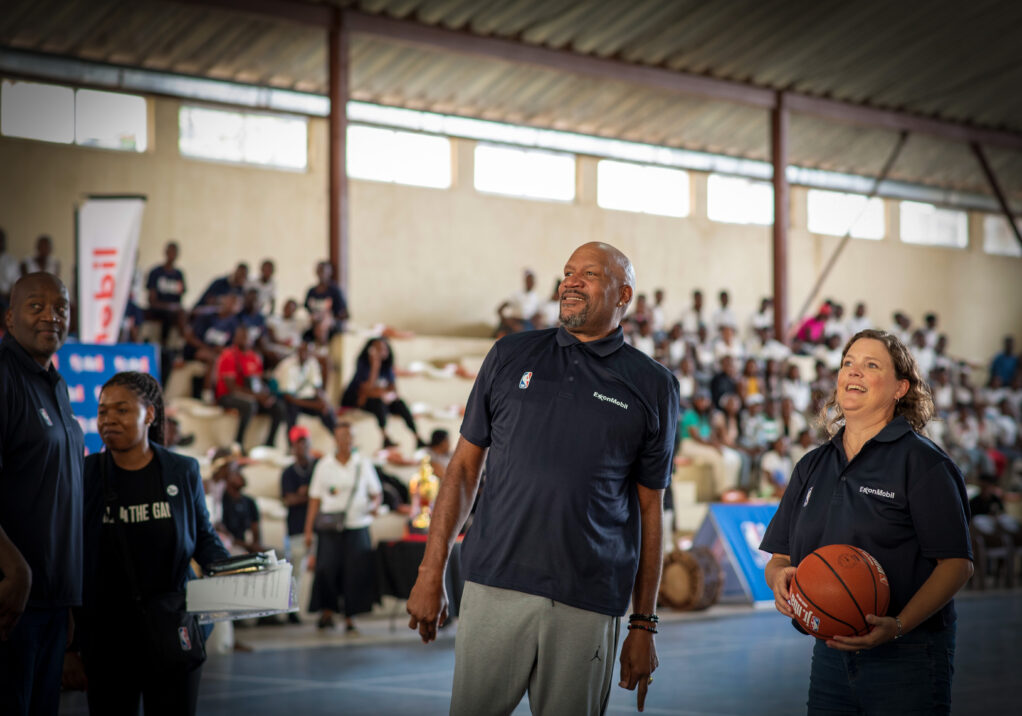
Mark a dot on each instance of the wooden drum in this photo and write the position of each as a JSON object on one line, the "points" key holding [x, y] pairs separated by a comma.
{"points": [[692, 579]]}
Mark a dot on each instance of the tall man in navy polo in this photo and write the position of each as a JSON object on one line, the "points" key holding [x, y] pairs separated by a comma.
{"points": [[41, 457], [579, 429]]}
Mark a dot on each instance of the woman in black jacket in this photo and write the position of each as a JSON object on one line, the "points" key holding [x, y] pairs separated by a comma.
{"points": [[145, 520]]}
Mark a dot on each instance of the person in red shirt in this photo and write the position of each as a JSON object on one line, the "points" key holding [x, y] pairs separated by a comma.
{"points": [[240, 386]]}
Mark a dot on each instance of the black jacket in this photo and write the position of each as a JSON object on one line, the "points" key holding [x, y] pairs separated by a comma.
{"points": [[195, 537]]}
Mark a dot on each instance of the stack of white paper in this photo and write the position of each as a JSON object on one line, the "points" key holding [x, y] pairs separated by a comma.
{"points": [[266, 591]]}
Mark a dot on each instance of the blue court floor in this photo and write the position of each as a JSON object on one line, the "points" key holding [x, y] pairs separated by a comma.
{"points": [[729, 662]]}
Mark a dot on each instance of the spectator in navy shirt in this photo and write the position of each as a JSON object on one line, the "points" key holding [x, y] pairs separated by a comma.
{"points": [[208, 334], [294, 493], [579, 428], [373, 389], [166, 287], [233, 283], [41, 455], [880, 485], [1005, 363], [252, 317], [325, 301]]}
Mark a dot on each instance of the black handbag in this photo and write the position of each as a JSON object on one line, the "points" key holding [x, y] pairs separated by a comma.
{"points": [[171, 634], [334, 521]]}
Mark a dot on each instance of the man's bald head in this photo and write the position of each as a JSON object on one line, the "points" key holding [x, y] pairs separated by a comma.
{"points": [[39, 315], [32, 283], [620, 264], [596, 290]]}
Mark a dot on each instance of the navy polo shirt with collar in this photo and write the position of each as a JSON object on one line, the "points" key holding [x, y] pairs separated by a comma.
{"points": [[571, 427], [42, 451], [902, 499]]}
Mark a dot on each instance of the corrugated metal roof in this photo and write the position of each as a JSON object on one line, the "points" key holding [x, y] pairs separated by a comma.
{"points": [[943, 59]]}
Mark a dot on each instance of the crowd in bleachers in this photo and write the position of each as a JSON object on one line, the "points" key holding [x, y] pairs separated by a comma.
{"points": [[751, 404]]}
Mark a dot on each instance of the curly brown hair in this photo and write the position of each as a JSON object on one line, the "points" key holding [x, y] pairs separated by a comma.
{"points": [[916, 405]]}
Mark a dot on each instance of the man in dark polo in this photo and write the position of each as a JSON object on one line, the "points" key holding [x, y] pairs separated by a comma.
{"points": [[41, 454], [579, 429]]}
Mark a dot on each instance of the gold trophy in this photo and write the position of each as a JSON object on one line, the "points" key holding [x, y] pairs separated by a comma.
{"points": [[423, 489]]}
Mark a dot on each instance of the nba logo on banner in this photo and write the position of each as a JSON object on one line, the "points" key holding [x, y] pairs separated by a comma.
{"points": [[526, 378], [186, 641]]}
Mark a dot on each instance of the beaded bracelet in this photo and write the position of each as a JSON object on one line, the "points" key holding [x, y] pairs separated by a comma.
{"points": [[643, 618], [650, 629]]}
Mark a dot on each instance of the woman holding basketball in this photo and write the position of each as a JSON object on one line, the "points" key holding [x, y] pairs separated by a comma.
{"points": [[880, 485]]}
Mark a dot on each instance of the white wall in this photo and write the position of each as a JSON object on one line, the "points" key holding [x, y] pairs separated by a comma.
{"points": [[440, 261]]}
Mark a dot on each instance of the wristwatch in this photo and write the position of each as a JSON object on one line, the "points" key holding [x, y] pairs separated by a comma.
{"points": [[897, 620]]}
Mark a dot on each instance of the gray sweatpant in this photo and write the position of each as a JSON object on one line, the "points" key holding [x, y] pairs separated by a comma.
{"points": [[509, 642]]}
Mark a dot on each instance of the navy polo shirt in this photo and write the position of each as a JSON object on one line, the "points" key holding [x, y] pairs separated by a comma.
{"points": [[42, 451], [570, 427], [316, 299], [901, 499], [219, 287], [169, 284]]}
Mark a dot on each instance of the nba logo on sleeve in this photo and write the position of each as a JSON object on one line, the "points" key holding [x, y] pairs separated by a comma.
{"points": [[526, 379]]}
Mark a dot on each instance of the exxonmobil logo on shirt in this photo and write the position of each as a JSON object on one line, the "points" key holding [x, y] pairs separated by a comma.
{"points": [[608, 399], [877, 492]]}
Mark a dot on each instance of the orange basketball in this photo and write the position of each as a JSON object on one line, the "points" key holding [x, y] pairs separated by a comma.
{"points": [[835, 587]]}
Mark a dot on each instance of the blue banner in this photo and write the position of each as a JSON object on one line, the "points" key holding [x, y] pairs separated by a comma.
{"points": [[85, 367], [733, 533]]}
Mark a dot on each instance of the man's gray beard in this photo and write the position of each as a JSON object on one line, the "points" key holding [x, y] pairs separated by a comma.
{"points": [[576, 320]]}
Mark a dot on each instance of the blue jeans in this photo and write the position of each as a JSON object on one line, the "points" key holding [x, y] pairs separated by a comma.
{"points": [[911, 675], [31, 662]]}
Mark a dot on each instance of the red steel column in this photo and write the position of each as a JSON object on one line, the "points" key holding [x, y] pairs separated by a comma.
{"points": [[779, 156], [337, 69]]}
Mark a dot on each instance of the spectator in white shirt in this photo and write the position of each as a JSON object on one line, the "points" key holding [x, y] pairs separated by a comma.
{"points": [[549, 313], [763, 346], [300, 382], [943, 391], [926, 359], [859, 322], [964, 441], [10, 272], [686, 380], [763, 318], [727, 345], [902, 328], [285, 331], [723, 316], [692, 317], [521, 306], [964, 392], [940, 357], [643, 339], [775, 467], [792, 421], [266, 287], [830, 352], [656, 312], [792, 386], [43, 260], [835, 324], [641, 313], [677, 346], [344, 484], [703, 350], [994, 391], [930, 319]]}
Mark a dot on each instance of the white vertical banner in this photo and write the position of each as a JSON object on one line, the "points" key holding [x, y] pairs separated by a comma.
{"points": [[108, 231]]}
